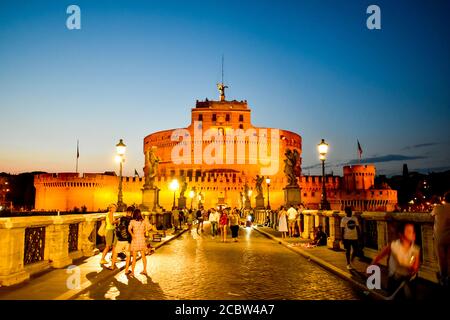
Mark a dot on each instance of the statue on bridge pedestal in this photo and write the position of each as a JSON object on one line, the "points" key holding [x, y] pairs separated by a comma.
{"points": [[258, 185], [291, 167], [152, 163]]}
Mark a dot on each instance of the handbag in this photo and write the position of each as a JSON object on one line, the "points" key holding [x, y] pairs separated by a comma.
{"points": [[102, 230]]}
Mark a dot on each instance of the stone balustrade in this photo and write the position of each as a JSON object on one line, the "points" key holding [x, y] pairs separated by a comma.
{"points": [[29, 245], [378, 229]]}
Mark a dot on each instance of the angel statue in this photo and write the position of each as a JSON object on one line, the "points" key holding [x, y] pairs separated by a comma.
{"points": [[184, 186], [246, 192], [290, 167], [258, 185], [152, 163]]}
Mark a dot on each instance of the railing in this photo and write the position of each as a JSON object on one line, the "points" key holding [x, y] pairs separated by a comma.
{"points": [[378, 229], [34, 245]]}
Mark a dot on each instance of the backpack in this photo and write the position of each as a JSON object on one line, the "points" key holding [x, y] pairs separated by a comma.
{"points": [[122, 229]]}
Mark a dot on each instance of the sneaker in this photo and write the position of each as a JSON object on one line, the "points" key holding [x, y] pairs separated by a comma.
{"points": [[349, 267]]}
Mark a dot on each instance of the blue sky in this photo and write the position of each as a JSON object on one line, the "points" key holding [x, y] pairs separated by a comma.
{"points": [[311, 67]]}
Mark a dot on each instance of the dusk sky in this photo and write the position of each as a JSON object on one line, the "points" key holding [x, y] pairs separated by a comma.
{"points": [[311, 67]]}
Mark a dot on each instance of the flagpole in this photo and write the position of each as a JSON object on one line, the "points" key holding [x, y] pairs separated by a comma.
{"points": [[78, 155]]}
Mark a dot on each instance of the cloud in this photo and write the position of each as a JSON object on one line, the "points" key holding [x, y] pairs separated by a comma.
{"points": [[386, 158], [420, 145], [314, 166]]}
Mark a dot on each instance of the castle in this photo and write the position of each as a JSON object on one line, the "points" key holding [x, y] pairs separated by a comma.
{"points": [[215, 159]]}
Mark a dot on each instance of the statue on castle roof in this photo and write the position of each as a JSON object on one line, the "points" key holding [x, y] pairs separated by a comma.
{"points": [[222, 88], [291, 167], [152, 163]]}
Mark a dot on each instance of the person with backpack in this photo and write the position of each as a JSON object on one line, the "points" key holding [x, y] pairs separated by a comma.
{"points": [[123, 240], [350, 232]]}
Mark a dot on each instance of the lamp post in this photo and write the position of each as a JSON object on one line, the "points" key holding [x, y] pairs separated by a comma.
{"points": [[120, 157], [268, 194], [174, 185], [191, 195], [323, 150]]}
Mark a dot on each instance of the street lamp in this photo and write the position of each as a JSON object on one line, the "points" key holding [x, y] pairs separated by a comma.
{"points": [[120, 157], [174, 185], [191, 195], [268, 194], [323, 150]]}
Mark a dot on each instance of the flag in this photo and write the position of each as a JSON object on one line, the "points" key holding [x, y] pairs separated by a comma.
{"points": [[359, 149], [78, 149], [136, 173]]}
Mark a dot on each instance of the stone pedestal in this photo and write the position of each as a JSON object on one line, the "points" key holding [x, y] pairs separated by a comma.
{"points": [[88, 237], [182, 202], [308, 225], [259, 202], [56, 240], [150, 198], [292, 196], [335, 232]]}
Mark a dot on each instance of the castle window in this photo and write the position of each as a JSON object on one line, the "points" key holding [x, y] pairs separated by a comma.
{"points": [[214, 117], [241, 126], [200, 117], [241, 117], [227, 117]]}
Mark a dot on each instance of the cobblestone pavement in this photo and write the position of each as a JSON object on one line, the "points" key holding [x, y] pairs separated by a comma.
{"points": [[199, 267]]}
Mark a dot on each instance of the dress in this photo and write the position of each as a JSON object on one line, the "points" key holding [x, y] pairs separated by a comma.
{"points": [[138, 241], [282, 223]]}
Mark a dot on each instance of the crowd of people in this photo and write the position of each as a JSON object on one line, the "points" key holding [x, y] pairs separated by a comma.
{"points": [[128, 235]]}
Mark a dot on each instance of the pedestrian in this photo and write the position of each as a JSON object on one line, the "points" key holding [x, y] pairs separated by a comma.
{"points": [[189, 219], [199, 217], [292, 217], [350, 231], [175, 218], [234, 225], [223, 223], [320, 238], [214, 217], [282, 222], [137, 228], [123, 240], [110, 233], [441, 215], [403, 261]]}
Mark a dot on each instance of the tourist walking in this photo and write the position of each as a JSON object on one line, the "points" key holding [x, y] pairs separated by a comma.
{"points": [[292, 218], [234, 225], [110, 234], [189, 219], [282, 222], [214, 217], [223, 223], [123, 239], [176, 218], [199, 217], [137, 228], [350, 231], [403, 261], [441, 215]]}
